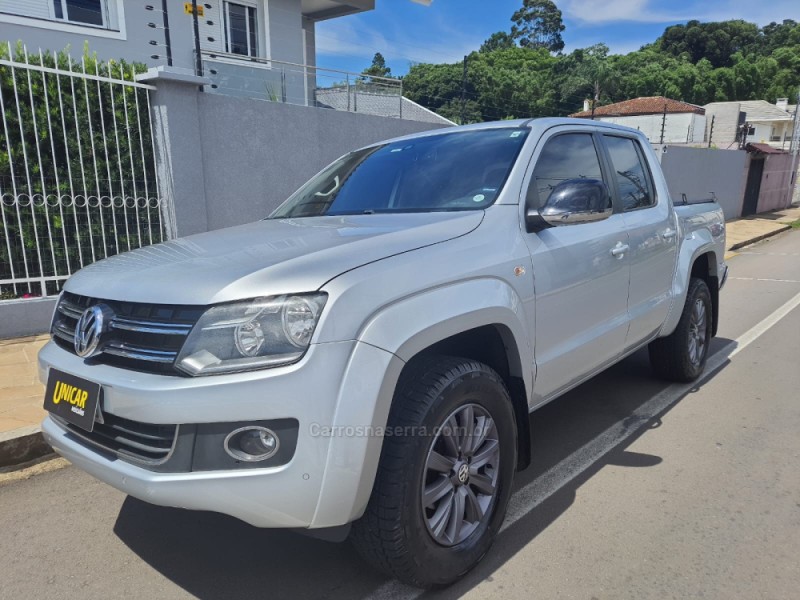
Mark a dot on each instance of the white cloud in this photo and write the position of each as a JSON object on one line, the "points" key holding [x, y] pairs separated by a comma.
{"points": [[652, 11]]}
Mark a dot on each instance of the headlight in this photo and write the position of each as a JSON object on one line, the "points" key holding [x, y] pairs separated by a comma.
{"points": [[254, 334]]}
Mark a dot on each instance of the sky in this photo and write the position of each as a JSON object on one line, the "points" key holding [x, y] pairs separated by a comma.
{"points": [[406, 32]]}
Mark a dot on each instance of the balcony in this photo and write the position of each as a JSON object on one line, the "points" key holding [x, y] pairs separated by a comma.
{"points": [[306, 85]]}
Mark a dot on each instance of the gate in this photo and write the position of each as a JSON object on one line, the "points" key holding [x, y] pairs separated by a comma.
{"points": [[752, 188], [77, 168]]}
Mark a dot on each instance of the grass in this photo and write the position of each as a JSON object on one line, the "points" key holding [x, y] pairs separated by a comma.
{"points": [[795, 224]]}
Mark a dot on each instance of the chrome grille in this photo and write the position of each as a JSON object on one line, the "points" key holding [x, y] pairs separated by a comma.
{"points": [[142, 337], [142, 442]]}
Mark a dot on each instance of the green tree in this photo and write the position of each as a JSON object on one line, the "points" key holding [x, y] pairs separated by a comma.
{"points": [[588, 72], [378, 67], [717, 41], [502, 84], [538, 24], [498, 41]]}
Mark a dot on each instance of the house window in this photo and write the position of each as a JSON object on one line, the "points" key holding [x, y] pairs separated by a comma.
{"points": [[89, 12], [241, 31]]}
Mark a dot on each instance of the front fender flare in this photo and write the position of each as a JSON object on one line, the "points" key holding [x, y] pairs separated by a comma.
{"points": [[390, 338], [407, 327]]}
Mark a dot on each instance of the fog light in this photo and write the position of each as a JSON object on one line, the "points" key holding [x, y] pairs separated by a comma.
{"points": [[252, 444]]}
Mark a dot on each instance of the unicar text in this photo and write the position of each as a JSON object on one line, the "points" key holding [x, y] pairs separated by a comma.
{"points": [[72, 395]]}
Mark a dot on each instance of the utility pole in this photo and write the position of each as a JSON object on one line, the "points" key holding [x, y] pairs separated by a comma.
{"points": [[794, 149], [663, 122], [464, 94], [594, 101], [711, 131], [794, 145]]}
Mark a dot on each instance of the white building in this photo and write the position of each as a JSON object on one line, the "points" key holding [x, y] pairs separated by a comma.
{"points": [[662, 120], [766, 123]]}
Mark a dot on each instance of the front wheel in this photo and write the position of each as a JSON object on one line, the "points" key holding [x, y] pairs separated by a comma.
{"points": [[682, 355], [445, 473]]}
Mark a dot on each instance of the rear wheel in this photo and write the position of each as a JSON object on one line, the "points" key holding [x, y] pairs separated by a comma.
{"points": [[682, 355], [445, 473]]}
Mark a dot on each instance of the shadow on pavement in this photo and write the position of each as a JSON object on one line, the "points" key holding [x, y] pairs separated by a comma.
{"points": [[213, 556]]}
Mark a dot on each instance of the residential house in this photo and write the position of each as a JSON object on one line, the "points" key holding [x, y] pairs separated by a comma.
{"points": [[765, 123], [254, 48], [662, 120]]}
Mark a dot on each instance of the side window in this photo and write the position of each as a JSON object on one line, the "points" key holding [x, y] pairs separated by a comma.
{"points": [[633, 178], [564, 157]]}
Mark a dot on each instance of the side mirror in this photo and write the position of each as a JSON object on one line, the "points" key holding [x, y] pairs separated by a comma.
{"points": [[572, 202]]}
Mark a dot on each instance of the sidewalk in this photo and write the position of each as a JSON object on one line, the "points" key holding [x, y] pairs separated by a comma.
{"points": [[749, 230], [21, 394], [21, 397]]}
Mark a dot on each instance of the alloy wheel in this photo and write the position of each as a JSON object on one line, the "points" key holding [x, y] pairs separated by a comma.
{"points": [[461, 475], [698, 331]]}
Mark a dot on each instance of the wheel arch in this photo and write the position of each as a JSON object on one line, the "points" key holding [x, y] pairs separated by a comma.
{"points": [[494, 346], [480, 319], [698, 258]]}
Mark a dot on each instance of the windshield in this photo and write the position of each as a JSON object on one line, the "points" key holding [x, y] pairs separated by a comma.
{"points": [[454, 171]]}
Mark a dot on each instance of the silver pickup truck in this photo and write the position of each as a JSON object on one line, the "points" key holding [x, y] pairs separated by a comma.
{"points": [[364, 361]]}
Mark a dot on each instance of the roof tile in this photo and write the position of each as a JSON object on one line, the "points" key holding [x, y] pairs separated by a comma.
{"points": [[642, 106]]}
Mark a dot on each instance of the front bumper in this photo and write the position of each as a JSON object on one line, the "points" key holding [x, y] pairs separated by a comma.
{"points": [[325, 484]]}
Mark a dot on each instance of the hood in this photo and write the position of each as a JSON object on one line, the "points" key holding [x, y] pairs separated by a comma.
{"points": [[264, 258]]}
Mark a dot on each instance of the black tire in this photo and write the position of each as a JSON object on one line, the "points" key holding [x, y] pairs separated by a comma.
{"points": [[672, 357], [394, 534]]}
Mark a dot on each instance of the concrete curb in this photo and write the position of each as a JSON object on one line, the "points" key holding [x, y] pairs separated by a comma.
{"points": [[22, 445], [758, 238]]}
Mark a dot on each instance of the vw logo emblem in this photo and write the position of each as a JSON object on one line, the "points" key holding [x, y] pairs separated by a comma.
{"points": [[88, 331], [463, 473]]}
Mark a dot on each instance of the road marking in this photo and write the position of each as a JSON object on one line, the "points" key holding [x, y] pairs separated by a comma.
{"points": [[764, 279], [545, 485]]}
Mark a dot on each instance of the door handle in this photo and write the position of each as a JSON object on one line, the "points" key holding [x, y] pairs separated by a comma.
{"points": [[619, 250], [668, 234]]}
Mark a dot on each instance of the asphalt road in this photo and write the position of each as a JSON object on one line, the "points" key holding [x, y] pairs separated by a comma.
{"points": [[637, 490]]}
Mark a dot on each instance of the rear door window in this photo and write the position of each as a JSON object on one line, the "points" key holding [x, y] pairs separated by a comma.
{"points": [[632, 176]]}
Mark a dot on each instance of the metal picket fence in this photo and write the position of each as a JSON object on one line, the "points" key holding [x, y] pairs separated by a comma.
{"points": [[77, 168]]}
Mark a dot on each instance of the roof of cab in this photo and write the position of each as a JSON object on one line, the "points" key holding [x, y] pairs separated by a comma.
{"points": [[543, 124]]}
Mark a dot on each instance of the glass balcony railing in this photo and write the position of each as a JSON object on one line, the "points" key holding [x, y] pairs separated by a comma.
{"points": [[305, 85]]}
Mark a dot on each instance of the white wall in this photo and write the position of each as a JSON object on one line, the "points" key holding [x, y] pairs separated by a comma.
{"points": [[678, 127], [762, 133]]}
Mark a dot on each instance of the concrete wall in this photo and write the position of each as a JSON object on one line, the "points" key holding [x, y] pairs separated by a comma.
{"points": [[21, 318], [678, 127], [726, 118], [778, 175], [255, 153], [697, 172], [225, 161]]}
